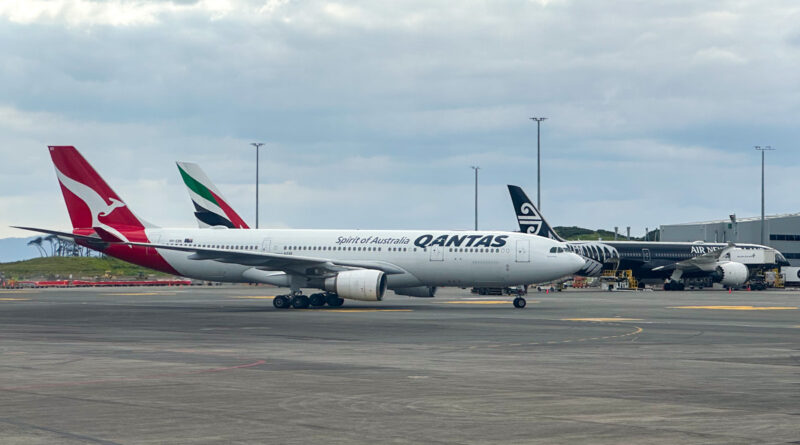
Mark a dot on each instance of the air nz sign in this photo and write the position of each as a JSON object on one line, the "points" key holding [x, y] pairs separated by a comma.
{"points": [[701, 250]]}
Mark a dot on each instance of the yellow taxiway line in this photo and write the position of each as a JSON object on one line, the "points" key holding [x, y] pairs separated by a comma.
{"points": [[601, 320], [739, 308], [133, 294], [14, 299]]}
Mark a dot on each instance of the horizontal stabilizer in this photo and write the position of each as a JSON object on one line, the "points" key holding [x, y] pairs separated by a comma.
{"points": [[107, 236], [60, 234]]}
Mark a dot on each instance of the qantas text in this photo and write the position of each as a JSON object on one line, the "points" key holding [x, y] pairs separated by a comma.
{"points": [[459, 240]]}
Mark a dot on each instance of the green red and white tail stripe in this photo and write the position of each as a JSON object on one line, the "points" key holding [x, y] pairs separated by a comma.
{"points": [[211, 209]]}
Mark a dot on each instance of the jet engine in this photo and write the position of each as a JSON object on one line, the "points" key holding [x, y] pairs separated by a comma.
{"points": [[418, 291], [731, 273], [363, 284]]}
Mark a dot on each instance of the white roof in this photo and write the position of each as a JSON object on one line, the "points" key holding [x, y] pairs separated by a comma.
{"points": [[738, 220]]}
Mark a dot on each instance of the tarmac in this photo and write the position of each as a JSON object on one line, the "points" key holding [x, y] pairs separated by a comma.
{"points": [[214, 365]]}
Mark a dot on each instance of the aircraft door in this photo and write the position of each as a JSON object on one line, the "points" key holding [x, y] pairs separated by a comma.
{"points": [[523, 251], [646, 255], [437, 253], [265, 245]]}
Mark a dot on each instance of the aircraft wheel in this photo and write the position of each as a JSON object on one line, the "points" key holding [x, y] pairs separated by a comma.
{"points": [[519, 302], [333, 300], [300, 302], [281, 302], [317, 300]]}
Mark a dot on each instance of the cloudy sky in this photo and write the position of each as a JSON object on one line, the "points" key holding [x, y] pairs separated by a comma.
{"points": [[373, 112]]}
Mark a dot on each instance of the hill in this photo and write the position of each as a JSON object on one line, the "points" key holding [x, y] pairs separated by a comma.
{"points": [[580, 234], [78, 267]]}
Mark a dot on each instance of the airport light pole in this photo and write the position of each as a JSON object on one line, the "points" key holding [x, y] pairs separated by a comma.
{"points": [[538, 161], [762, 150], [257, 145], [476, 168]]}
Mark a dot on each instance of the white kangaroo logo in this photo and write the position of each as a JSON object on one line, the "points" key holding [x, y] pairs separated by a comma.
{"points": [[97, 205], [114, 204]]}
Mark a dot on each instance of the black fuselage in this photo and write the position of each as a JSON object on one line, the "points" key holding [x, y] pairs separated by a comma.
{"points": [[642, 257]]}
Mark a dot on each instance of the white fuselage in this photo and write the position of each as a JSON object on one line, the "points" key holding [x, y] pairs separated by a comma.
{"points": [[425, 258]]}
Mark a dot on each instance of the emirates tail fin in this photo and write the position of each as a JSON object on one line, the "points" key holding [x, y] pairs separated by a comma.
{"points": [[211, 208], [91, 203]]}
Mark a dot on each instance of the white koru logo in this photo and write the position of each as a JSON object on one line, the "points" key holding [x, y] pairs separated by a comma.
{"points": [[97, 205], [530, 217]]}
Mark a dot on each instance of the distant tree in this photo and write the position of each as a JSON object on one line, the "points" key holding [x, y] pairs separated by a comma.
{"points": [[37, 242], [55, 244]]}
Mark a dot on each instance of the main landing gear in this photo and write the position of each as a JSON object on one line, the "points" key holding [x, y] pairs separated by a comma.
{"points": [[300, 301], [674, 285], [520, 302]]}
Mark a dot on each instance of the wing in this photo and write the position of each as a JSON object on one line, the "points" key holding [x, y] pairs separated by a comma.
{"points": [[302, 265], [706, 262]]}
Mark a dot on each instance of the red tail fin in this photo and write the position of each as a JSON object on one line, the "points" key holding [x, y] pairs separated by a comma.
{"points": [[90, 201]]}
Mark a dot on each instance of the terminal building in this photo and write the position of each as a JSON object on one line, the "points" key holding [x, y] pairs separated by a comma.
{"points": [[780, 231]]}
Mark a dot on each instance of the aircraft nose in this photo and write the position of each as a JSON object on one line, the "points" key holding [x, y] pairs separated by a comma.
{"points": [[576, 261]]}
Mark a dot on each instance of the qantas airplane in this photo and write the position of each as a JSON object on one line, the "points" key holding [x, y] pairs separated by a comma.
{"points": [[729, 264], [345, 264]]}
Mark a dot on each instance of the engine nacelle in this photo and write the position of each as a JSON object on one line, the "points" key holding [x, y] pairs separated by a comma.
{"points": [[417, 291], [363, 284], [731, 274]]}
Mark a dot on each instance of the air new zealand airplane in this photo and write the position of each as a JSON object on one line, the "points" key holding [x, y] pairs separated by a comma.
{"points": [[729, 264]]}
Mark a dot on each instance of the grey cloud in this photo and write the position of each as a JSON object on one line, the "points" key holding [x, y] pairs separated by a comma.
{"points": [[401, 98]]}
